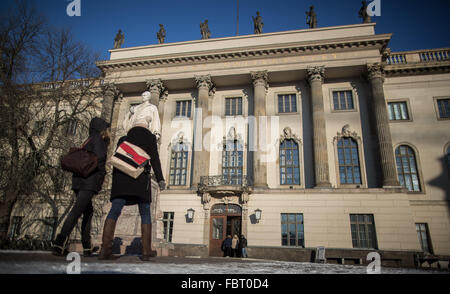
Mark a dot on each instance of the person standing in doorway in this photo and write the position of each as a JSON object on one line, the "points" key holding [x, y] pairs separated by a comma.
{"points": [[235, 246], [226, 246], [243, 246]]}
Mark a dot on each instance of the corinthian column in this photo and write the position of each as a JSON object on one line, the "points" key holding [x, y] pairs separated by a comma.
{"points": [[260, 84], [201, 151], [386, 152], [315, 78], [158, 96], [110, 94]]}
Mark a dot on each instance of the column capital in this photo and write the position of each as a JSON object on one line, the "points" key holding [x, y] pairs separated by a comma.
{"points": [[315, 73], [375, 70], [157, 86], [260, 78], [205, 81], [111, 90]]}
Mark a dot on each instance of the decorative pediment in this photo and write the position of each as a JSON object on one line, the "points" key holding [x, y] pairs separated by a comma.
{"points": [[178, 141], [288, 135], [346, 133]]}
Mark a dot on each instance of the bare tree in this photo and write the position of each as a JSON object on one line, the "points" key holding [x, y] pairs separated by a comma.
{"points": [[50, 89]]}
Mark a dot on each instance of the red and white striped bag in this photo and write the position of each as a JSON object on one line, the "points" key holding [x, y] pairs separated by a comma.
{"points": [[130, 159]]}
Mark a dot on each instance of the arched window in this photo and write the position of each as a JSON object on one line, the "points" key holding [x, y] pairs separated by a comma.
{"points": [[232, 162], [349, 166], [178, 165], [289, 163], [408, 175]]}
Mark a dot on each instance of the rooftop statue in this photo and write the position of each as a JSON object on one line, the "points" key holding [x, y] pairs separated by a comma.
{"points": [[311, 18], [118, 40], [257, 23], [161, 35], [364, 14], [204, 30]]}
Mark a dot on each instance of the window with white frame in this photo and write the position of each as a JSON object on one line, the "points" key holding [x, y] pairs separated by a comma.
{"points": [[292, 230], [363, 231], [71, 127], [348, 159], [289, 163], [287, 103], [343, 100], [178, 165], [443, 107], [408, 174], [398, 111], [16, 226], [168, 225], [424, 237], [233, 106], [183, 108], [232, 162]]}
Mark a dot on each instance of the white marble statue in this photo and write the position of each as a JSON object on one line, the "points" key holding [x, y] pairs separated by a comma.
{"points": [[144, 115]]}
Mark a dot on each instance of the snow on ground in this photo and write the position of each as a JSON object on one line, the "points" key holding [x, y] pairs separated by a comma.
{"points": [[184, 266], [235, 268]]}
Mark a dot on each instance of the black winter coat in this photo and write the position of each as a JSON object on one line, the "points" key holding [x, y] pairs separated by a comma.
{"points": [[138, 190], [97, 145]]}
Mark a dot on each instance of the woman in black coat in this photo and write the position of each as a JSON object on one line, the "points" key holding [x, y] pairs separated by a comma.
{"points": [[85, 189], [129, 191]]}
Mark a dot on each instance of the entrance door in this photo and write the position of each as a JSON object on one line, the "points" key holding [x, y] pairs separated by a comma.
{"points": [[217, 235], [226, 220]]}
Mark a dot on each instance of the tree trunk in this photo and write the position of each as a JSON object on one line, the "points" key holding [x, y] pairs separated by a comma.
{"points": [[5, 213]]}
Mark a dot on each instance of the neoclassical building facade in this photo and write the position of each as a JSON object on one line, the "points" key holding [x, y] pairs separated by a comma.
{"points": [[296, 139]]}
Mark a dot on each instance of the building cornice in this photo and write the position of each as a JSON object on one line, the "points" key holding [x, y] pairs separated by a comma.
{"points": [[245, 53]]}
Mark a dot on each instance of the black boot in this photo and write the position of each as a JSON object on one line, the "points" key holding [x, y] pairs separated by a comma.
{"points": [[88, 249], [59, 246]]}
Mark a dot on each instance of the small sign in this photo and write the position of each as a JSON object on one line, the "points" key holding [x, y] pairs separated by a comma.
{"points": [[320, 254]]}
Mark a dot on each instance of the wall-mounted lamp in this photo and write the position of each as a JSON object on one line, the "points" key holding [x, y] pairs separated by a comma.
{"points": [[258, 213], [190, 214]]}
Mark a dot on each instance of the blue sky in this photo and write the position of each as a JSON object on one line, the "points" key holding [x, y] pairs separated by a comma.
{"points": [[415, 24]]}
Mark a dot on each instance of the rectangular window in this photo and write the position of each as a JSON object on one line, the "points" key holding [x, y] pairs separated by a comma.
{"points": [[289, 163], [168, 225], [39, 128], [16, 225], [292, 230], [233, 106], [48, 228], [343, 100], [363, 231], [178, 165], [444, 107], [71, 127], [398, 111], [183, 108], [287, 103], [424, 238]]}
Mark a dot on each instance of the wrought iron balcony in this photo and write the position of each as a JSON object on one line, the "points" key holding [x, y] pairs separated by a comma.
{"points": [[224, 184]]}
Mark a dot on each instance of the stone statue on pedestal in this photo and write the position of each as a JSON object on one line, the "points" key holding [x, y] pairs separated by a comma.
{"points": [[161, 35], [311, 18], [257, 23], [118, 40], [363, 13], [145, 115], [204, 30]]}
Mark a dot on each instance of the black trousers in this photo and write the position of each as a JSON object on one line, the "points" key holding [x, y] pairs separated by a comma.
{"points": [[83, 206]]}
